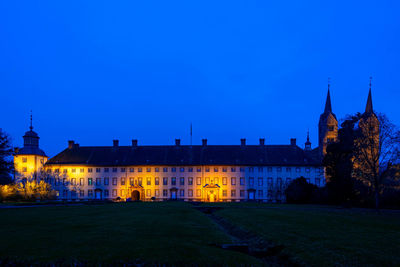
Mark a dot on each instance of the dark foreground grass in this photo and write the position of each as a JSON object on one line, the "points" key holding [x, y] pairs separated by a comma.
{"points": [[324, 236], [153, 233]]}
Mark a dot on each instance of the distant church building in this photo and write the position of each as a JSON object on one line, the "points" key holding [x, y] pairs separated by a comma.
{"points": [[186, 172]]}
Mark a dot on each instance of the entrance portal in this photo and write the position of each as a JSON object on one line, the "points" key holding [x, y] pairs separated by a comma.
{"points": [[135, 195], [97, 194], [173, 194], [211, 197]]}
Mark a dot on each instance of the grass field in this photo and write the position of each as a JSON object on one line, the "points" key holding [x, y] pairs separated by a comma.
{"points": [[175, 233]]}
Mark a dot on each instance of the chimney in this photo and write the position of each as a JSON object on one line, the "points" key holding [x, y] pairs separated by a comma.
{"points": [[293, 141], [262, 141], [177, 142], [134, 142], [115, 143], [204, 142], [243, 141], [71, 144]]}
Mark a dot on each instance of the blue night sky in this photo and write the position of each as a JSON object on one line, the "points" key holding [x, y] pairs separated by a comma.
{"points": [[93, 71]]}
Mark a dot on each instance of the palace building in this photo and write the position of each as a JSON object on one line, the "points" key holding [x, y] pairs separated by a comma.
{"points": [[187, 172]]}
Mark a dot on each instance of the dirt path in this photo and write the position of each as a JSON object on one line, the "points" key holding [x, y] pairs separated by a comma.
{"points": [[248, 242]]}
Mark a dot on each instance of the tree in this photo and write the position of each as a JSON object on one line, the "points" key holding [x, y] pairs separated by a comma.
{"points": [[6, 160], [338, 163], [300, 191], [376, 153]]}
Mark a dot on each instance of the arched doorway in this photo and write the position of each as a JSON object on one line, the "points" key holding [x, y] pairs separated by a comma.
{"points": [[135, 195], [211, 196]]}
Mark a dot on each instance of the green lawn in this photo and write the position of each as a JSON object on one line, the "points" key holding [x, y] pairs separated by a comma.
{"points": [[171, 233], [175, 233], [324, 236]]}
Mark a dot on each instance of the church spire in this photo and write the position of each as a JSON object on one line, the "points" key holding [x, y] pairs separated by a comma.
{"points": [[328, 105], [307, 145], [31, 127], [368, 108]]}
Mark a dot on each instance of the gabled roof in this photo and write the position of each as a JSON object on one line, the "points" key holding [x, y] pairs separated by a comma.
{"points": [[274, 155]]}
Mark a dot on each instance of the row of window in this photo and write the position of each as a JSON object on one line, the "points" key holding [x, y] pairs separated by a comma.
{"points": [[173, 181], [165, 193], [181, 169]]}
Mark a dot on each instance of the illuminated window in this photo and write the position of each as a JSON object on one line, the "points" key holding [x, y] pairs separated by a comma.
{"points": [[198, 193], [98, 181], [82, 170], [122, 192], [123, 169], [165, 193], [224, 180], [148, 169], [106, 169], [198, 179], [157, 192], [190, 180], [207, 180], [131, 169], [260, 181], [190, 193], [97, 169], [182, 192], [215, 180], [73, 170], [140, 180], [106, 181], [106, 193], [148, 193], [24, 159], [114, 181], [122, 180], [173, 181], [81, 181], [181, 169], [233, 181], [24, 169], [165, 180], [157, 169], [233, 193], [148, 181], [65, 170], [157, 181], [224, 193], [114, 192], [251, 181], [89, 170], [73, 181], [242, 180]]}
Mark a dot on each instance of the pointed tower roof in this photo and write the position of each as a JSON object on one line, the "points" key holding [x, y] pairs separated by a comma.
{"points": [[368, 108], [328, 105]]}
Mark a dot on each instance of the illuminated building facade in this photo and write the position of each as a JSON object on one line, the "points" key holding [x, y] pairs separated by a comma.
{"points": [[187, 172]]}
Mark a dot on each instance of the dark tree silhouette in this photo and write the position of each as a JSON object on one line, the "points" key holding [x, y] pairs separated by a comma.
{"points": [[299, 191], [6, 160]]}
